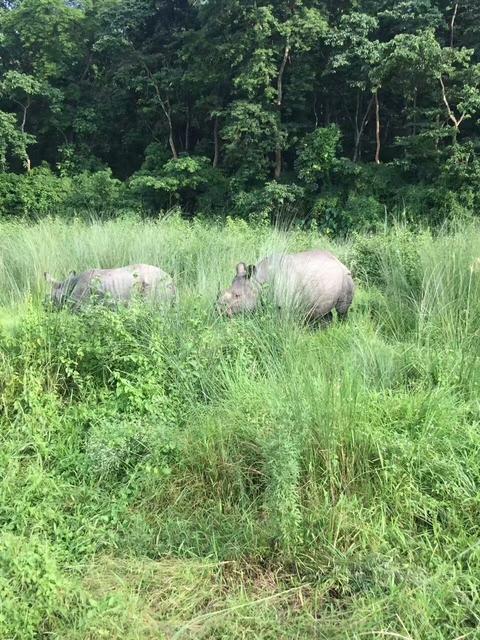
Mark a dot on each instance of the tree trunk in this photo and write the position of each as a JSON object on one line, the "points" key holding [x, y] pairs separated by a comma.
{"points": [[216, 154], [187, 130], [377, 126], [386, 128], [414, 124], [278, 162], [359, 128], [28, 163], [278, 149], [356, 134], [327, 115], [315, 109], [171, 140], [454, 135], [452, 23], [168, 114], [165, 105]]}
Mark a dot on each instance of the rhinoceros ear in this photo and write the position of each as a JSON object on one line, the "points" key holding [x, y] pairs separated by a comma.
{"points": [[72, 274], [241, 270], [49, 279], [251, 270]]}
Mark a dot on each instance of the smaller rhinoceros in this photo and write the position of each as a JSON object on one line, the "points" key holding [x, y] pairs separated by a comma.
{"points": [[115, 285], [312, 283]]}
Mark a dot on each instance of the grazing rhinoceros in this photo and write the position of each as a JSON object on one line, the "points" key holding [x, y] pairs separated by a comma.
{"points": [[312, 282], [116, 285]]}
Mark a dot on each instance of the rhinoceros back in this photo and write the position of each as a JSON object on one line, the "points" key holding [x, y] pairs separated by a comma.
{"points": [[313, 282], [120, 284]]}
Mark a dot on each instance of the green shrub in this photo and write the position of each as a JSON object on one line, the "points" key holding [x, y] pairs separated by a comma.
{"points": [[94, 192], [41, 193], [359, 213], [99, 348], [394, 254], [317, 155], [183, 182], [34, 594], [116, 444], [35, 194], [11, 203], [274, 202]]}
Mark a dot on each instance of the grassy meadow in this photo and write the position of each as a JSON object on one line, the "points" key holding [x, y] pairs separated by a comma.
{"points": [[176, 475]]}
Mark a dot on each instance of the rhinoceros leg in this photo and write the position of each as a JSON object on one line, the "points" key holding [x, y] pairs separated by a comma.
{"points": [[319, 322], [345, 300], [325, 320]]}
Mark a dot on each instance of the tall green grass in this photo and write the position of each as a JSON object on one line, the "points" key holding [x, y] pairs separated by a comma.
{"points": [[176, 475]]}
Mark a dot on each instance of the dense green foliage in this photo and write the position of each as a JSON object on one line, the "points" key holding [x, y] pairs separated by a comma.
{"points": [[171, 474], [178, 475], [265, 108]]}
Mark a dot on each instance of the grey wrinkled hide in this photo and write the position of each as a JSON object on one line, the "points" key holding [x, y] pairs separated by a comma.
{"points": [[115, 285], [312, 283]]}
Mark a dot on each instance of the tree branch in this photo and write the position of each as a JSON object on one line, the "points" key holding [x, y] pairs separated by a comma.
{"points": [[451, 115], [456, 121]]}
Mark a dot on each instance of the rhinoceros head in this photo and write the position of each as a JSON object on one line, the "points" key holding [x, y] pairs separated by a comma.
{"points": [[242, 295], [59, 290]]}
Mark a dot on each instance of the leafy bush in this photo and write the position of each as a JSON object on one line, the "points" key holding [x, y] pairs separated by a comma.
{"points": [[376, 258], [250, 133], [101, 347], [359, 213], [40, 192], [75, 159], [317, 155], [116, 444], [11, 200], [274, 202], [181, 181], [13, 142], [94, 192], [34, 593], [35, 194]]}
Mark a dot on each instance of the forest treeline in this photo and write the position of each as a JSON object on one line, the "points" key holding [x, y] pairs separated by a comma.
{"points": [[337, 111]]}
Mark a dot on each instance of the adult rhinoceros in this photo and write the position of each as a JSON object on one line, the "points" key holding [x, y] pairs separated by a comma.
{"points": [[312, 282], [116, 285]]}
